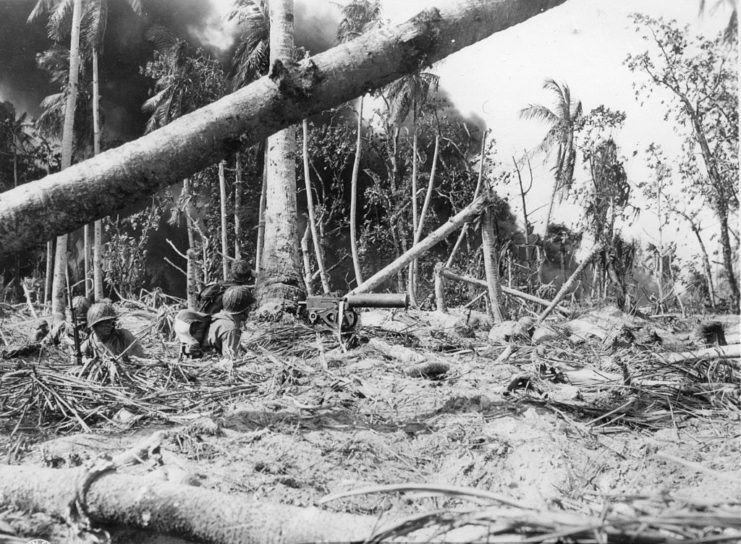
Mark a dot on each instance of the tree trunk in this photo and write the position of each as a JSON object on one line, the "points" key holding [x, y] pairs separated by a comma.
{"points": [[307, 260], [440, 288], [237, 206], [491, 264], [523, 193], [728, 256], [49, 271], [310, 208], [60, 260], [279, 282], [224, 236], [466, 214], [121, 177], [705, 265], [87, 247], [98, 224], [415, 214], [192, 281], [260, 245], [414, 270], [354, 196]]}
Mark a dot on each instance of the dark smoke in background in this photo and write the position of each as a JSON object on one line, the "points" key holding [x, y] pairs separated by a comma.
{"points": [[123, 88]]}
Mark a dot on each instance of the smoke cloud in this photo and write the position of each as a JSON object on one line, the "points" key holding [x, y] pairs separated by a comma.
{"points": [[123, 88]]}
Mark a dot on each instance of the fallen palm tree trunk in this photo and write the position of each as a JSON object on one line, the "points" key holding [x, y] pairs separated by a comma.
{"points": [[448, 273], [474, 209], [200, 515], [120, 177]]}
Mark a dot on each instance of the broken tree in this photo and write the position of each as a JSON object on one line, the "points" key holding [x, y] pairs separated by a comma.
{"points": [[117, 178]]}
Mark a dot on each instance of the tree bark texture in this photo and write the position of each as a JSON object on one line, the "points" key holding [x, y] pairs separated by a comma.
{"points": [[200, 515], [279, 281], [466, 214], [491, 264], [237, 207], [97, 225], [260, 244], [224, 236], [354, 196], [60, 260], [133, 172]]}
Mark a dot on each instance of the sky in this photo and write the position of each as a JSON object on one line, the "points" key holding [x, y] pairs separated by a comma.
{"points": [[582, 43]]}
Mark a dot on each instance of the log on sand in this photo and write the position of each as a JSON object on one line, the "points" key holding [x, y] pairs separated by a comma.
{"points": [[192, 513], [131, 173]]}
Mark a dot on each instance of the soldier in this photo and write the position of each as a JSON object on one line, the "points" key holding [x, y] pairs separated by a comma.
{"points": [[210, 301], [106, 338], [199, 332]]}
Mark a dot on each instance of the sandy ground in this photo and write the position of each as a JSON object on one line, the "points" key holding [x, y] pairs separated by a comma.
{"points": [[309, 431]]}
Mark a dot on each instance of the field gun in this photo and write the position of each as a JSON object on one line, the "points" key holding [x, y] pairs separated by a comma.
{"points": [[338, 313]]}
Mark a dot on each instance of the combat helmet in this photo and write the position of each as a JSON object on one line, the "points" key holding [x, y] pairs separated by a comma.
{"points": [[237, 299], [242, 272], [100, 311]]}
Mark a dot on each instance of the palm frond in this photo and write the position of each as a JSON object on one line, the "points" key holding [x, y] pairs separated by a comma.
{"points": [[59, 23], [537, 112], [161, 37], [41, 8], [359, 17]]}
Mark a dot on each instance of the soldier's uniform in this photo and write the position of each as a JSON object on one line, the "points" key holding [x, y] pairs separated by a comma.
{"points": [[221, 332], [108, 339], [210, 298]]}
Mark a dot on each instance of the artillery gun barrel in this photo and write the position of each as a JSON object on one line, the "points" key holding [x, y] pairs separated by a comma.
{"points": [[378, 300]]}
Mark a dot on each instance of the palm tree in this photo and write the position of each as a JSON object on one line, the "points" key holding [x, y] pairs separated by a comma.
{"points": [[409, 95], [359, 16], [95, 23], [279, 282], [562, 122], [184, 81], [54, 25], [249, 62]]}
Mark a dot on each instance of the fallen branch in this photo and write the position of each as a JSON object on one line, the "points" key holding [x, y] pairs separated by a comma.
{"points": [[569, 283], [474, 209], [448, 273]]}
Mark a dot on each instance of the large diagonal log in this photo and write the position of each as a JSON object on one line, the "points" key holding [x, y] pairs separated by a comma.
{"points": [[118, 178]]}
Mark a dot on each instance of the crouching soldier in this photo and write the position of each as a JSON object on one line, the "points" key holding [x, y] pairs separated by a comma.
{"points": [[199, 332], [106, 338], [210, 298]]}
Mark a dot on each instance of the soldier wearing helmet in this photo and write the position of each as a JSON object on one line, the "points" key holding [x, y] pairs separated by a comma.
{"points": [[210, 299], [225, 330], [191, 329], [199, 332], [106, 337]]}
